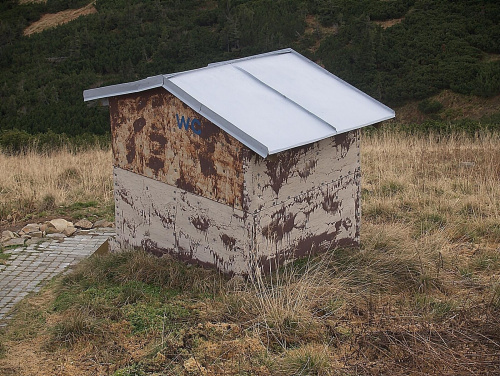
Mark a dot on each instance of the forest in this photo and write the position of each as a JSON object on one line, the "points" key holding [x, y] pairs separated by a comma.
{"points": [[432, 46]]}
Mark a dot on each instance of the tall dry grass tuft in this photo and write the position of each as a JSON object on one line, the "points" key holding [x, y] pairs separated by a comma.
{"points": [[283, 308], [34, 182]]}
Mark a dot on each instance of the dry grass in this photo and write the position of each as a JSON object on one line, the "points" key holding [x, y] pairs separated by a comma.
{"points": [[34, 183], [55, 19], [389, 23], [420, 297]]}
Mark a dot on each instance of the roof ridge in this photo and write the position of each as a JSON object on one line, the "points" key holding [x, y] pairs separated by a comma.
{"points": [[244, 71]]}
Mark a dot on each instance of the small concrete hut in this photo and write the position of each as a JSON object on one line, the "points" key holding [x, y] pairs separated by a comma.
{"points": [[239, 165]]}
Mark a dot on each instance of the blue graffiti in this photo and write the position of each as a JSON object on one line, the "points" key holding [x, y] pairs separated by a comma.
{"points": [[194, 124]]}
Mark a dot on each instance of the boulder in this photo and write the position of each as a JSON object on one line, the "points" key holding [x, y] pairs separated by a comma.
{"points": [[60, 224], [8, 235], [103, 223], [36, 234], [55, 226], [49, 228], [68, 231], [29, 228], [84, 224]]}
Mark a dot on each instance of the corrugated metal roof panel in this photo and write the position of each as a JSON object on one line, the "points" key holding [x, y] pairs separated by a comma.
{"points": [[270, 102]]}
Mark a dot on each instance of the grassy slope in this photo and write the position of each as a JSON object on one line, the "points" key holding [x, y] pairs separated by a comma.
{"points": [[421, 296]]}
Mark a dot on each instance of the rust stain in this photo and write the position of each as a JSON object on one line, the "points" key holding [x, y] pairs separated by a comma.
{"points": [[228, 241], [139, 124], [330, 203], [308, 169], [279, 167], [156, 164], [280, 225], [201, 223], [155, 134], [131, 152]]}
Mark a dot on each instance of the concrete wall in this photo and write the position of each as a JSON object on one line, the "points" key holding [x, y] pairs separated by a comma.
{"points": [[200, 194]]}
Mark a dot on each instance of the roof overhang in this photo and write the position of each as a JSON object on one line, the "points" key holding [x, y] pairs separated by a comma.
{"points": [[270, 102]]}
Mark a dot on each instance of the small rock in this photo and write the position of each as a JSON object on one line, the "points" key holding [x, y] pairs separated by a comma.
{"points": [[8, 235], [29, 228], [84, 224], [60, 224], [36, 234], [103, 223], [14, 241], [49, 228], [24, 236], [68, 231]]}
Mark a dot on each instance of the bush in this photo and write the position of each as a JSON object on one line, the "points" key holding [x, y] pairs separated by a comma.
{"points": [[429, 106]]}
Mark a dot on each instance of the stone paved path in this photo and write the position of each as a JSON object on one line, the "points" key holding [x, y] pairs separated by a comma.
{"points": [[28, 268]]}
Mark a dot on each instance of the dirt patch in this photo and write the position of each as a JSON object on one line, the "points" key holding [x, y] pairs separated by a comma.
{"points": [[455, 107], [54, 19], [315, 29], [492, 57], [389, 23]]}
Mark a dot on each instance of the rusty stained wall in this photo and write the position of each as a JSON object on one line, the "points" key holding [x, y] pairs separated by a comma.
{"points": [[201, 159], [305, 215], [209, 199], [304, 200]]}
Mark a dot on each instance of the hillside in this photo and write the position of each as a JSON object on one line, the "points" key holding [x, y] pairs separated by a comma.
{"points": [[401, 51]]}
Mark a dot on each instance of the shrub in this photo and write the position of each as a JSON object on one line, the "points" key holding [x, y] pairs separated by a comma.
{"points": [[429, 106]]}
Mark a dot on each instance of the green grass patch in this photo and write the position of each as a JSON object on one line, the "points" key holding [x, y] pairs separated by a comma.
{"points": [[3, 256], [134, 286], [391, 188], [89, 209], [75, 326], [428, 223], [158, 318], [437, 309]]}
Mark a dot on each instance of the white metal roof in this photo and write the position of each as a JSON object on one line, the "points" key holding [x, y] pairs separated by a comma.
{"points": [[270, 102]]}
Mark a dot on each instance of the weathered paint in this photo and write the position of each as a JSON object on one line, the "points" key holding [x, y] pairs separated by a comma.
{"points": [[150, 138], [304, 200], [165, 219], [297, 202]]}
